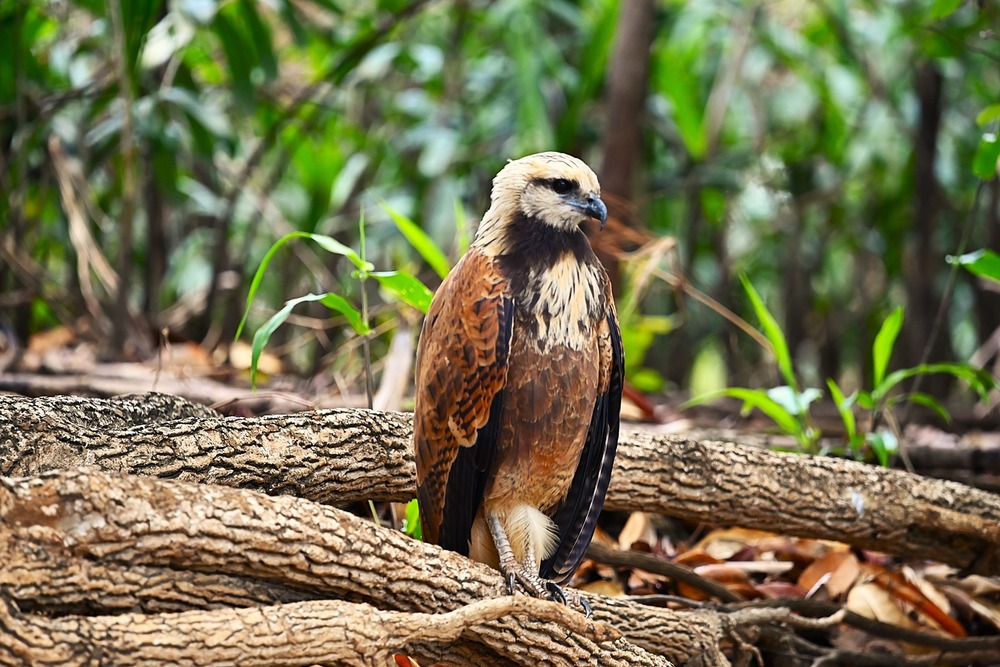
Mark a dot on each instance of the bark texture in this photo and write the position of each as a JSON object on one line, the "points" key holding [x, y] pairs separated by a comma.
{"points": [[226, 536], [338, 456]]}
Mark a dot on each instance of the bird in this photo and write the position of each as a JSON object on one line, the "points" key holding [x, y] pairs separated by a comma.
{"points": [[519, 377]]}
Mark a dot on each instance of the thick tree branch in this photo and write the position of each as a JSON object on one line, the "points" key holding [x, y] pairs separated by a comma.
{"points": [[304, 633], [137, 523], [346, 455]]}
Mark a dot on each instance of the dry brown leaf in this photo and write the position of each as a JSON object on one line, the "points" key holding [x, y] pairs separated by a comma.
{"points": [[835, 571], [602, 587], [872, 601], [241, 355], [637, 528], [725, 543], [695, 559], [934, 617], [45, 341]]}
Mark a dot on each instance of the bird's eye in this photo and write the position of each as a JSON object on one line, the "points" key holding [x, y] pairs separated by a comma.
{"points": [[562, 185]]}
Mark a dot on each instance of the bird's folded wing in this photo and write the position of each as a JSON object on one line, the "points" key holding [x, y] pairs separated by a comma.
{"points": [[461, 371], [577, 515]]}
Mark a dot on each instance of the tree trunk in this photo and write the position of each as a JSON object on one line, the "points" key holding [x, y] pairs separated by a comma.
{"points": [[627, 84]]}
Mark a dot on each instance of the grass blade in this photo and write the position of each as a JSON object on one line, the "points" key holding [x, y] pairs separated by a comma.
{"points": [[885, 340], [406, 288], [420, 241], [773, 332]]}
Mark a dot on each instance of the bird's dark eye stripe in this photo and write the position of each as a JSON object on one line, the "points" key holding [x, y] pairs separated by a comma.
{"points": [[561, 185]]}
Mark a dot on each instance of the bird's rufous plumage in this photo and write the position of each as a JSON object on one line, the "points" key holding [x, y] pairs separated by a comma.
{"points": [[519, 380]]}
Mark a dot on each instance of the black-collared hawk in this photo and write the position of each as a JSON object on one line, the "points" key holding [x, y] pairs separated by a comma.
{"points": [[519, 381]]}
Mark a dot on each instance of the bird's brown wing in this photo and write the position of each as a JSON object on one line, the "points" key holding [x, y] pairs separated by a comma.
{"points": [[460, 376], [576, 517]]}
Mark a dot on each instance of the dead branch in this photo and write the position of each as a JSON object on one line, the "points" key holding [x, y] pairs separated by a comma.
{"points": [[126, 523], [346, 455], [304, 633]]}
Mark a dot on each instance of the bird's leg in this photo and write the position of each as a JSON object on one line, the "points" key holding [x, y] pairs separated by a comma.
{"points": [[526, 572], [512, 570]]}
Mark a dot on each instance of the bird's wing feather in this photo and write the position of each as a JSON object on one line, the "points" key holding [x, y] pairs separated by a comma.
{"points": [[461, 372], [577, 515]]}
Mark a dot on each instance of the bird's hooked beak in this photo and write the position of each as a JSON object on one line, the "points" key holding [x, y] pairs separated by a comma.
{"points": [[591, 204]]}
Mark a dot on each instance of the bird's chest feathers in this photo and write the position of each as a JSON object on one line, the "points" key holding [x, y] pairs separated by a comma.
{"points": [[561, 304]]}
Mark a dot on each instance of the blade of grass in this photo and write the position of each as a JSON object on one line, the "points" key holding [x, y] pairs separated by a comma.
{"points": [[263, 334], [327, 243], [885, 340], [420, 241], [773, 332]]}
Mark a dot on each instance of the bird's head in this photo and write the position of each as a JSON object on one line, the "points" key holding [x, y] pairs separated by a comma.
{"points": [[553, 188]]}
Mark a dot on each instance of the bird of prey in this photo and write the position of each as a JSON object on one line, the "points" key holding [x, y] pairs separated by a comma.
{"points": [[519, 381]]}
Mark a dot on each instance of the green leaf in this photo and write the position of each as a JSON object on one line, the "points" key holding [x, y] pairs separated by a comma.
{"points": [[329, 244], [341, 305], [865, 400], [420, 241], [411, 522], [137, 20], [983, 263], [984, 163], [773, 332], [884, 444], [236, 49], [333, 246], [978, 379], [929, 401], [797, 403], [844, 407], [260, 35], [263, 334], [754, 398], [885, 340], [406, 288], [944, 8], [647, 380], [677, 77], [988, 115]]}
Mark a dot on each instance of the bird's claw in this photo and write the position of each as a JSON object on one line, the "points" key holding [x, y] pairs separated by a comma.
{"points": [[555, 592], [511, 583], [569, 598]]}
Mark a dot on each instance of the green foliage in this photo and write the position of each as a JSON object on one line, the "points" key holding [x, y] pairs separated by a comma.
{"points": [[774, 334], [983, 263], [401, 285], [778, 142], [411, 523], [788, 406], [421, 242]]}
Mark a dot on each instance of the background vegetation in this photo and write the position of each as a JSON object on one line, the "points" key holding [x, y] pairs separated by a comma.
{"points": [[153, 151]]}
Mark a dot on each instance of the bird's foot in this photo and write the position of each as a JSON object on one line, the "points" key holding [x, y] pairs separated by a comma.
{"points": [[516, 573], [526, 573], [569, 597]]}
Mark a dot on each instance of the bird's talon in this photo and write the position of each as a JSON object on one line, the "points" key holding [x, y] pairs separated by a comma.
{"points": [[587, 609], [555, 592], [511, 579]]}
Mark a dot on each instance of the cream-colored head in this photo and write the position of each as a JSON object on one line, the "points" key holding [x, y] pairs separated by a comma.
{"points": [[553, 188]]}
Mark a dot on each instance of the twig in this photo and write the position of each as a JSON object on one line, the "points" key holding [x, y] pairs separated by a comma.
{"points": [[650, 563]]}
